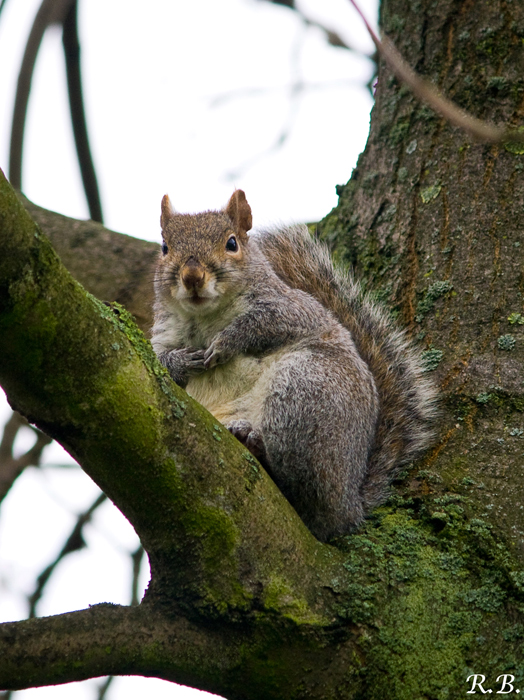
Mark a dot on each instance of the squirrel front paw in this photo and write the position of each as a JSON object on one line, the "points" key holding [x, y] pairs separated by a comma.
{"points": [[217, 353], [182, 363]]}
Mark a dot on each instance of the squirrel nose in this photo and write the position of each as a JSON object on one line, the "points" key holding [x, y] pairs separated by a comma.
{"points": [[193, 275]]}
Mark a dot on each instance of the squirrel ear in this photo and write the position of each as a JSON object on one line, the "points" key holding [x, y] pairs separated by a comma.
{"points": [[239, 212], [167, 211]]}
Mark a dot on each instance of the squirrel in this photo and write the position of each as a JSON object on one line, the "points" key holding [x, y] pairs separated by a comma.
{"points": [[292, 357]]}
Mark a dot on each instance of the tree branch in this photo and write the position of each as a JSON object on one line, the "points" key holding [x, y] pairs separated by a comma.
{"points": [[112, 266], [89, 251], [49, 12], [428, 93], [109, 640], [10, 466], [74, 542], [71, 44], [84, 374]]}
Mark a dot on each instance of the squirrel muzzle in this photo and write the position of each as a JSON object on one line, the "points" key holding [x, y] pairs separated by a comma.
{"points": [[193, 275]]}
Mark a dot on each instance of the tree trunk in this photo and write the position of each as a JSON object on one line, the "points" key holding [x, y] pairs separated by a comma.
{"points": [[243, 601], [436, 223]]}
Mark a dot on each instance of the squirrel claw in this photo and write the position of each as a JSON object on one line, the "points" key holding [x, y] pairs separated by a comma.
{"points": [[210, 360], [194, 359], [215, 355], [250, 437]]}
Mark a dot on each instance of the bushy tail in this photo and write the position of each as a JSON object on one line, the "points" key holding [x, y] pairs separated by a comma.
{"points": [[407, 397]]}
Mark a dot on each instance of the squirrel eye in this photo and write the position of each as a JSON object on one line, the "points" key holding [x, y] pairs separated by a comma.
{"points": [[232, 244], [164, 248]]}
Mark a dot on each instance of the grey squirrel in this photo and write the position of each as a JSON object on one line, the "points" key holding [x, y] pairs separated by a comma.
{"points": [[288, 353]]}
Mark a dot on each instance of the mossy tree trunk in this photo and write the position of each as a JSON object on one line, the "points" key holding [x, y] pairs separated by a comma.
{"points": [[243, 601], [436, 223]]}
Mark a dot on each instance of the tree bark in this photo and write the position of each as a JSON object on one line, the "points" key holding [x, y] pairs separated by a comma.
{"points": [[437, 222], [430, 590], [110, 265]]}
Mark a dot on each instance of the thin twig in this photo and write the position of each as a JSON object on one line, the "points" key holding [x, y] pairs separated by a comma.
{"points": [[332, 37], [243, 93], [429, 94], [104, 687], [2, 4], [11, 467], [136, 558], [71, 45], [296, 91], [74, 542]]}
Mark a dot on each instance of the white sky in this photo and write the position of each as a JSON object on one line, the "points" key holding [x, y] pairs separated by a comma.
{"points": [[187, 98]]}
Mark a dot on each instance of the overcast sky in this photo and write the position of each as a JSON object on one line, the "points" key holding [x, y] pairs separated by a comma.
{"points": [[191, 99]]}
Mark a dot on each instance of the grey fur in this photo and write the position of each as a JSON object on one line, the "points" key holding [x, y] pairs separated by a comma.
{"points": [[298, 364]]}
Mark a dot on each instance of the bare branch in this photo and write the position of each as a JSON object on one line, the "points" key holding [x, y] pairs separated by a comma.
{"points": [[50, 12], [11, 467], [136, 557], [332, 36], [104, 687], [74, 542], [71, 45]]}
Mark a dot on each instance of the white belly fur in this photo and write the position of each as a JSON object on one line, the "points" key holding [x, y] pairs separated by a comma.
{"points": [[235, 390]]}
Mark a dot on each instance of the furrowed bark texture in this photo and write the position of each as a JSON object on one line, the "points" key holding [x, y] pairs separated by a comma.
{"points": [[437, 222], [110, 265]]}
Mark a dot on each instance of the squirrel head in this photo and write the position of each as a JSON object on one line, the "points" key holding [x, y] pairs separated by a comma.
{"points": [[203, 255]]}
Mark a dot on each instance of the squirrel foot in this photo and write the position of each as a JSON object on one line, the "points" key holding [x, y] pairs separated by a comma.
{"points": [[251, 438]]}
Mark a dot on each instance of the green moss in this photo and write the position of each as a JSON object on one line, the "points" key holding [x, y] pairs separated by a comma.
{"points": [[493, 45], [399, 131], [487, 598], [484, 398], [402, 174], [506, 342], [281, 599], [430, 193], [423, 591], [513, 633], [516, 147], [429, 297], [431, 359], [122, 320], [432, 477], [498, 85], [395, 24]]}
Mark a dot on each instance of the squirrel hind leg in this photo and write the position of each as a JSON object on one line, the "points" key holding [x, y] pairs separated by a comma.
{"points": [[251, 438]]}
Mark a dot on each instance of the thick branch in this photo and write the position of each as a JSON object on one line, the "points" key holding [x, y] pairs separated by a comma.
{"points": [[108, 639], [110, 265], [82, 373]]}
